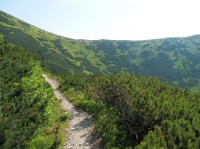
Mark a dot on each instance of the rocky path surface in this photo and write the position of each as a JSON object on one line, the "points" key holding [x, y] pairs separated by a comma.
{"points": [[81, 124]]}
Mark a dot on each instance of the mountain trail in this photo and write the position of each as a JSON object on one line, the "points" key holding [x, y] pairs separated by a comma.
{"points": [[80, 126]]}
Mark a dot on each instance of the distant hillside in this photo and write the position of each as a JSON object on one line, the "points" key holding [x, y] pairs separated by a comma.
{"points": [[173, 60]]}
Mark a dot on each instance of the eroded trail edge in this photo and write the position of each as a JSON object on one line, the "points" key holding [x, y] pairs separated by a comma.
{"points": [[80, 126]]}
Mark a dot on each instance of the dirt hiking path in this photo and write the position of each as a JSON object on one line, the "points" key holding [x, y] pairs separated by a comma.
{"points": [[81, 124]]}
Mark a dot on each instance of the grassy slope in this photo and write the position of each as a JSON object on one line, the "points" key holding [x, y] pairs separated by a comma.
{"points": [[174, 60]]}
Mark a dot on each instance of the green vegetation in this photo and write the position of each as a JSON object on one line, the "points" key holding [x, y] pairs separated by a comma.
{"points": [[139, 112], [30, 115], [131, 111], [107, 123], [173, 60]]}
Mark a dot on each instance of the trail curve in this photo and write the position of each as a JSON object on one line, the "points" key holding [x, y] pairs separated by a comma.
{"points": [[81, 124]]}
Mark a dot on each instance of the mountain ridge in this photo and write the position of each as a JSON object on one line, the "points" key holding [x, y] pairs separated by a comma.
{"points": [[173, 60], [85, 39]]}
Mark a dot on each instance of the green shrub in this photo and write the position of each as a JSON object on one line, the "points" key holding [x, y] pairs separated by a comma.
{"points": [[144, 103], [29, 112]]}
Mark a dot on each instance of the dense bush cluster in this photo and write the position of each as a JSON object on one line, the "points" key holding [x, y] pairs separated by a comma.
{"points": [[154, 114], [29, 113]]}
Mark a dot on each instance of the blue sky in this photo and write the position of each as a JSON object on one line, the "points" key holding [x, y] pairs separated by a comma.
{"points": [[109, 19]]}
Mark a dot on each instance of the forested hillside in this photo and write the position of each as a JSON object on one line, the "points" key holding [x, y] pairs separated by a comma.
{"points": [[173, 60], [30, 116]]}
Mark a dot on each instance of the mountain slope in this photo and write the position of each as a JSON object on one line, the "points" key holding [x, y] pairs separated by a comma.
{"points": [[173, 60], [30, 116]]}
